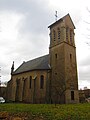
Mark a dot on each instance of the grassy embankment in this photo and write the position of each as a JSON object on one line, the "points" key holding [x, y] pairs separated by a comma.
{"points": [[50, 112]]}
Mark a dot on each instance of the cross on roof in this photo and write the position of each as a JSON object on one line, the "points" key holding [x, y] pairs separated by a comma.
{"points": [[56, 15]]}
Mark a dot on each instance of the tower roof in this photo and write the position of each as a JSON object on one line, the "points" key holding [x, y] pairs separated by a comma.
{"points": [[60, 20], [41, 63]]}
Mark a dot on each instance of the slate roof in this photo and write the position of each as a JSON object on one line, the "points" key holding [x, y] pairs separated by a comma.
{"points": [[41, 63]]}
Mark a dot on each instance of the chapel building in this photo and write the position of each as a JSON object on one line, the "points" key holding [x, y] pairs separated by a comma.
{"points": [[50, 78]]}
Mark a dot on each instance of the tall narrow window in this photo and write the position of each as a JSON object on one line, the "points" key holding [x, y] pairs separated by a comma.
{"points": [[71, 38], [72, 95], [70, 57], [58, 34], [41, 82], [24, 84], [30, 84], [54, 35], [17, 89], [56, 56], [67, 34]]}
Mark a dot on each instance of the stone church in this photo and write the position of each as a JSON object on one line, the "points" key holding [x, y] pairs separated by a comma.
{"points": [[50, 78]]}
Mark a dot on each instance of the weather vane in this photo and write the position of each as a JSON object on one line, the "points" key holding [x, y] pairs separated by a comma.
{"points": [[56, 15]]}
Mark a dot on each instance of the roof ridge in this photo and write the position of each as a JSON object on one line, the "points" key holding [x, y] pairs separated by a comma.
{"points": [[37, 58], [39, 63]]}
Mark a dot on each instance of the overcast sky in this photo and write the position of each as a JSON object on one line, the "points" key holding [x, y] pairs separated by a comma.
{"points": [[24, 33]]}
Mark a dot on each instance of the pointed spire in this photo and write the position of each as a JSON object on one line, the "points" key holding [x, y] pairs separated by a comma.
{"points": [[12, 68]]}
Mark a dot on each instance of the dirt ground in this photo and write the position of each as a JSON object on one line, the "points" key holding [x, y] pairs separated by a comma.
{"points": [[19, 116]]}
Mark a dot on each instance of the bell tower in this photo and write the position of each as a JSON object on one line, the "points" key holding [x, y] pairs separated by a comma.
{"points": [[62, 51]]}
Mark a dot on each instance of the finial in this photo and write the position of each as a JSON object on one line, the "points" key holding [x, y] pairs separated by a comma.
{"points": [[12, 68], [56, 15]]}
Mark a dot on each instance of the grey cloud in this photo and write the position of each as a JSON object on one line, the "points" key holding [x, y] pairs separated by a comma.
{"points": [[15, 5], [36, 19], [24, 6], [85, 76], [85, 61], [34, 11], [84, 72]]}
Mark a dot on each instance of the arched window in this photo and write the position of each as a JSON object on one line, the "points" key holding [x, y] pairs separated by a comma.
{"points": [[67, 29], [54, 35], [41, 82], [24, 85], [30, 82], [17, 89], [58, 33], [71, 36]]}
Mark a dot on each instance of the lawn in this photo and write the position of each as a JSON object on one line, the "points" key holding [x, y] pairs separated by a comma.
{"points": [[50, 111]]}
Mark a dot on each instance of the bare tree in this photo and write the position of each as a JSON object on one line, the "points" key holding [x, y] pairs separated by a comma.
{"points": [[62, 83], [87, 24]]}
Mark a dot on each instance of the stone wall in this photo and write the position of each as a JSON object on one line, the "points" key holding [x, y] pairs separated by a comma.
{"points": [[19, 87]]}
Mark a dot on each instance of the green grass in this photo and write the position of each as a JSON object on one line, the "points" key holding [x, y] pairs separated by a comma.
{"points": [[50, 112]]}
